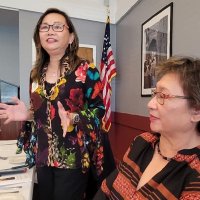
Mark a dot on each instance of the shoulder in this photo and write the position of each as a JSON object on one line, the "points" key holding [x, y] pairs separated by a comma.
{"points": [[147, 137], [87, 64], [143, 141], [86, 67], [86, 72], [139, 146]]}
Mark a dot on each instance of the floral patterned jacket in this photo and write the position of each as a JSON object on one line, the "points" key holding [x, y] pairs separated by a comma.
{"points": [[79, 91]]}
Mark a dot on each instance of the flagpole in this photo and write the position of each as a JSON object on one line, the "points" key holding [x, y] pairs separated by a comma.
{"points": [[107, 5], [107, 71], [108, 15]]}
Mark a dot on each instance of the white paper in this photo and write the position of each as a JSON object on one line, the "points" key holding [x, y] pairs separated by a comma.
{"points": [[25, 180], [19, 178], [11, 196], [17, 159]]}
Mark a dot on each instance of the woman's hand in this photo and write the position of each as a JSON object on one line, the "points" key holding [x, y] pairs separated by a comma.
{"points": [[65, 117], [16, 112]]}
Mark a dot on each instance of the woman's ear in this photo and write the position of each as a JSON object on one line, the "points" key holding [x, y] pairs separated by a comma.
{"points": [[71, 38], [195, 115]]}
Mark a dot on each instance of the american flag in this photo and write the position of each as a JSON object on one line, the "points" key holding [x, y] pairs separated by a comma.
{"points": [[107, 71]]}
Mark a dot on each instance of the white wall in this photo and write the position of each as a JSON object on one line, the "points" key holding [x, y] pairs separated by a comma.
{"points": [[9, 47], [94, 10], [185, 41]]}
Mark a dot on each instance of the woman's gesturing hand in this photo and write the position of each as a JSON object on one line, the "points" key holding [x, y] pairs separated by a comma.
{"points": [[15, 112], [65, 118]]}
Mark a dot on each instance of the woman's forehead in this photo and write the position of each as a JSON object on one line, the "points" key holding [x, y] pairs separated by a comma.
{"points": [[54, 17], [171, 82]]}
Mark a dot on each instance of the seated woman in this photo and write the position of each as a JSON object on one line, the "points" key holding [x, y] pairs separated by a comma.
{"points": [[164, 164]]}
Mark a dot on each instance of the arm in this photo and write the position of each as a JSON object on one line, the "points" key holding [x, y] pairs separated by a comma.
{"points": [[190, 195], [27, 138], [90, 109], [16, 112], [94, 108], [192, 190], [100, 195], [89, 118], [104, 191]]}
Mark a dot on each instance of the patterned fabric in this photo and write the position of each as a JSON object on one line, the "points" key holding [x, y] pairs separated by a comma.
{"points": [[179, 179], [79, 91], [27, 140]]}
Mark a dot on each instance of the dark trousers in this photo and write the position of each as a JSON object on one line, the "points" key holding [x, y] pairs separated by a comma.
{"points": [[61, 184]]}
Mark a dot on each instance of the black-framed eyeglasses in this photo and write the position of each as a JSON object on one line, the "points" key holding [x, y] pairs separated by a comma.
{"points": [[55, 27], [160, 97]]}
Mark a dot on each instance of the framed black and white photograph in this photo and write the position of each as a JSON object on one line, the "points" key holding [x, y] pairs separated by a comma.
{"points": [[156, 45]]}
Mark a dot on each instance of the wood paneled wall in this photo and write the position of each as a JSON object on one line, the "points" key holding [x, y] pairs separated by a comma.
{"points": [[123, 130], [9, 131]]}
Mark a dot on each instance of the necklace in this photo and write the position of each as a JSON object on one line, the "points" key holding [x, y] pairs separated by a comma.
{"points": [[53, 93], [159, 152]]}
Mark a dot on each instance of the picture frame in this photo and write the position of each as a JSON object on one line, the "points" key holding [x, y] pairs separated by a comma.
{"points": [[156, 46], [88, 52]]}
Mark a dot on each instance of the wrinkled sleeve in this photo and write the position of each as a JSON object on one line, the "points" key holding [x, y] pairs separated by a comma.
{"points": [[106, 187], [192, 190], [91, 117], [27, 139], [24, 134], [94, 108]]}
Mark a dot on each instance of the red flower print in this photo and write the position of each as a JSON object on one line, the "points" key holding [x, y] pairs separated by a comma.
{"points": [[93, 136], [36, 100], [55, 163], [26, 145], [97, 88], [99, 153], [79, 136], [53, 111], [75, 101], [81, 73], [35, 149]]}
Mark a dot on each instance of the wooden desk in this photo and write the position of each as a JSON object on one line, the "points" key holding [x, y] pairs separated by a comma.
{"points": [[26, 180]]}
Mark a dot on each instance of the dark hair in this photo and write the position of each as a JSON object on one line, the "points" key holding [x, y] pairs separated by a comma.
{"points": [[188, 70], [42, 57]]}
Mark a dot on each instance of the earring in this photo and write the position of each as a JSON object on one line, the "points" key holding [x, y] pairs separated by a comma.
{"points": [[70, 47]]}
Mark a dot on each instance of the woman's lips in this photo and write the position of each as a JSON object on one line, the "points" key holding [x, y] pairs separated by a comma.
{"points": [[153, 118], [51, 40]]}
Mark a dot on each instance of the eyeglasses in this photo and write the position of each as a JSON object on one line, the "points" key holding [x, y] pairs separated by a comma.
{"points": [[160, 97], [55, 27]]}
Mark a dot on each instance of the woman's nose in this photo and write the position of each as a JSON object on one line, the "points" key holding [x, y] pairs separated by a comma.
{"points": [[152, 103], [51, 31]]}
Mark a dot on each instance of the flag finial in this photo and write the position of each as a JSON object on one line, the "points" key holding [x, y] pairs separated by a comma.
{"points": [[108, 19]]}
